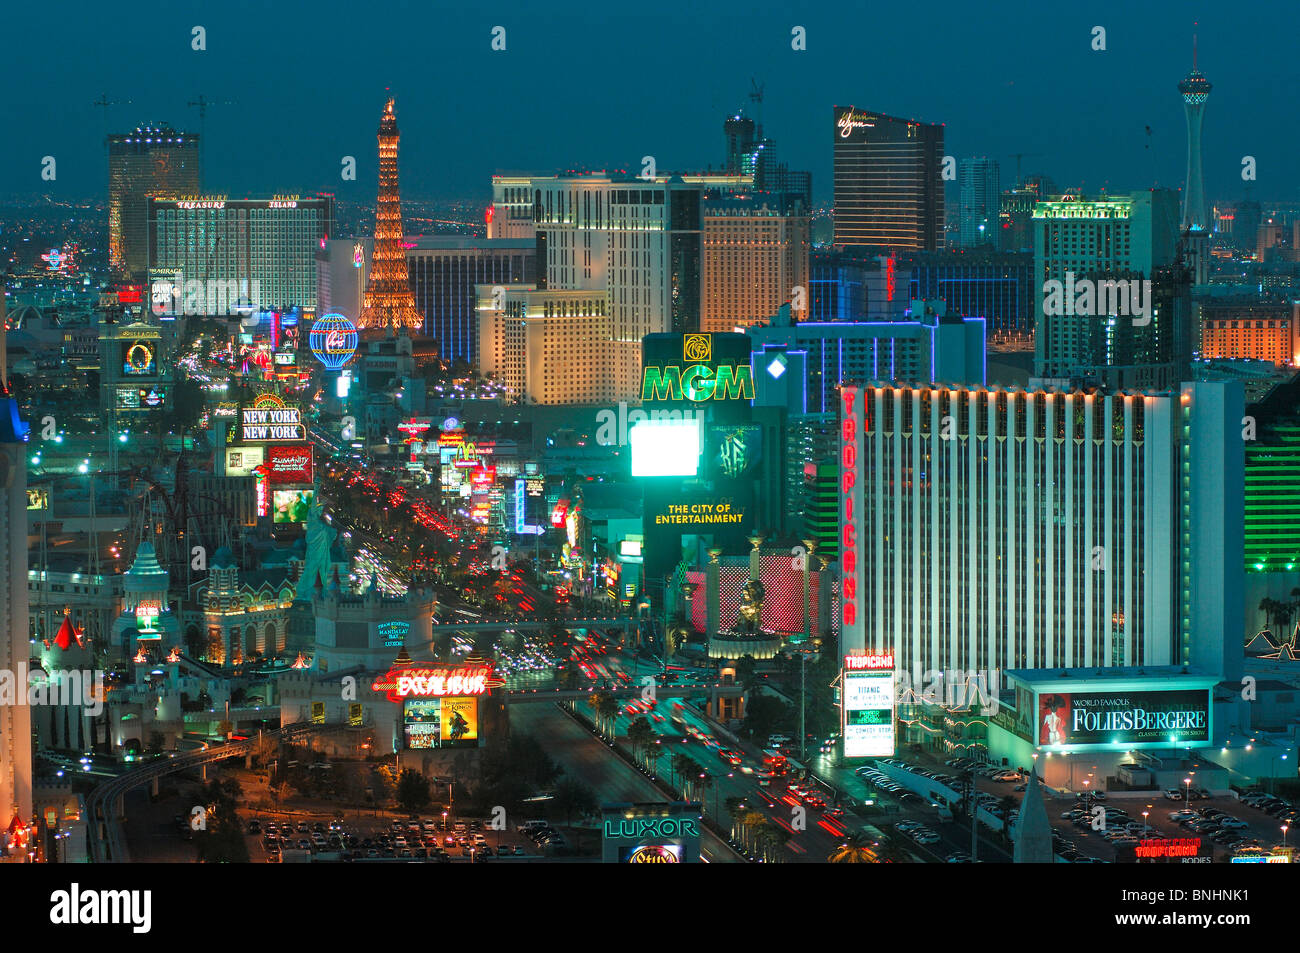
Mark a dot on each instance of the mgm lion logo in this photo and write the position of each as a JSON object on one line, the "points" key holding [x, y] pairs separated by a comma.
{"points": [[697, 347]]}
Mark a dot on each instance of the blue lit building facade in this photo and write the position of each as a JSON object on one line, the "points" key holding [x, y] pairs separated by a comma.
{"points": [[995, 286], [800, 367]]}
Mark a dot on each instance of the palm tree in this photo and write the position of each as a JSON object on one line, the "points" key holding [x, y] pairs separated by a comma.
{"points": [[1274, 613], [856, 849], [1008, 804], [751, 822], [704, 782], [682, 766], [771, 841], [604, 707], [640, 735]]}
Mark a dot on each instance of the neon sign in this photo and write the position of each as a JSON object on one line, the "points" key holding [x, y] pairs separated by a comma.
{"points": [[857, 663], [850, 121], [263, 498], [1176, 847], [418, 682], [698, 382], [851, 515]]}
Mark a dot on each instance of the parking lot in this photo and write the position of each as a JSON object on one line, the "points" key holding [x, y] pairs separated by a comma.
{"points": [[273, 838]]}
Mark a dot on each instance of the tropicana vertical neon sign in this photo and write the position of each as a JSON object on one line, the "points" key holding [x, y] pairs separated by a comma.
{"points": [[850, 513]]}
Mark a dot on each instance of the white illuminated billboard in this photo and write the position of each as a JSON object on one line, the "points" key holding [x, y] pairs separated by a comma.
{"points": [[665, 448], [868, 710]]}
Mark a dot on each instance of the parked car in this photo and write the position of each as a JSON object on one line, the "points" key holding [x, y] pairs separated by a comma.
{"points": [[1173, 794]]}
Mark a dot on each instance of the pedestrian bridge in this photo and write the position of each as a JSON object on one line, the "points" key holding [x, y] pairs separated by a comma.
{"points": [[500, 624]]}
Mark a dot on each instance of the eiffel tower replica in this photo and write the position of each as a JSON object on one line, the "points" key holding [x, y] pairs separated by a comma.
{"points": [[388, 305]]}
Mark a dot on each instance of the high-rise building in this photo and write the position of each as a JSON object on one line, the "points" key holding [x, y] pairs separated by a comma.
{"points": [[1245, 225], [1002, 529], [1272, 473], [1016, 212], [1096, 319], [980, 192], [996, 286], [511, 212], [755, 258], [801, 366], [888, 181], [741, 135], [15, 645], [444, 271], [341, 275], [1252, 329], [261, 250], [837, 286], [636, 240], [388, 302], [848, 285], [547, 346], [1195, 90], [153, 159]]}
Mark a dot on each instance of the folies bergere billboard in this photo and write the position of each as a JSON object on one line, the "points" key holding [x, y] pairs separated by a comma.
{"points": [[1067, 721]]}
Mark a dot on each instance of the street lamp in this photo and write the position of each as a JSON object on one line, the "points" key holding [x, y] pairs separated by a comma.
{"points": [[1188, 796], [1272, 775], [1285, 827], [1145, 815]]}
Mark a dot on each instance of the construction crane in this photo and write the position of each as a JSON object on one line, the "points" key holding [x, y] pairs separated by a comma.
{"points": [[1018, 156], [104, 102], [203, 103], [756, 97]]}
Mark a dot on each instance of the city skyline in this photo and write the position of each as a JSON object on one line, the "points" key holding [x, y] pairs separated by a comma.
{"points": [[701, 435], [265, 132]]}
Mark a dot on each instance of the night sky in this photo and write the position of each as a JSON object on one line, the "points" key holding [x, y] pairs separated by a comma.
{"points": [[598, 87]]}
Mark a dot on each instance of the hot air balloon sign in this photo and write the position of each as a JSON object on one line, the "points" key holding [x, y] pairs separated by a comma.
{"points": [[333, 340]]}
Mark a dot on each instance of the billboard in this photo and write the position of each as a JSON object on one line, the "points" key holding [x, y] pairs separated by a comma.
{"points": [[139, 358], [665, 448], [139, 398], [696, 513], [289, 465], [868, 706], [440, 722], [734, 452], [651, 854], [270, 419], [242, 461], [1067, 721], [420, 721], [38, 498], [459, 721], [291, 506], [688, 371]]}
